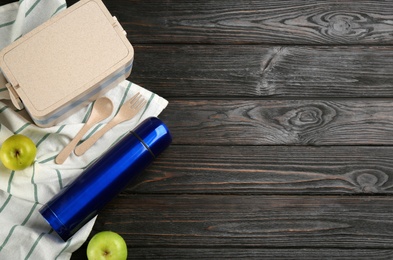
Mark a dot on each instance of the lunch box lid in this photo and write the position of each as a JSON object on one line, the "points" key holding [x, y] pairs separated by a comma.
{"points": [[65, 57]]}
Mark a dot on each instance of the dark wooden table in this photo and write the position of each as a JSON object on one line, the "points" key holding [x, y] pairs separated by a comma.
{"points": [[282, 118]]}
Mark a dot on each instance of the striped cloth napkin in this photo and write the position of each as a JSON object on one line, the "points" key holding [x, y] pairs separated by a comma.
{"points": [[24, 234]]}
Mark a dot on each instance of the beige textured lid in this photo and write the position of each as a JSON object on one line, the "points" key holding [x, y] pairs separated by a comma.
{"points": [[63, 58]]}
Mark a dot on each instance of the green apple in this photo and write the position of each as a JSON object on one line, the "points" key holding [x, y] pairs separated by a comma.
{"points": [[18, 152], [107, 245]]}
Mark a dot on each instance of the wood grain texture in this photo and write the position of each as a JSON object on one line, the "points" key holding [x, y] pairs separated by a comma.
{"points": [[200, 71], [279, 110], [280, 122], [259, 253], [148, 252], [256, 22], [205, 221], [269, 170]]}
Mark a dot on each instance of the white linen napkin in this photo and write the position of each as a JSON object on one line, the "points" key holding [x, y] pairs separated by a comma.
{"points": [[24, 234]]}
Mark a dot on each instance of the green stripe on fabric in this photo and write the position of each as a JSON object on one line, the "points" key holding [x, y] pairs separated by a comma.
{"points": [[7, 24], [48, 159], [22, 128], [88, 165], [8, 237], [60, 179], [45, 137], [34, 185], [34, 246], [5, 203], [124, 97], [60, 129], [18, 37], [10, 181], [3, 89], [59, 8], [65, 247], [32, 7], [3, 108], [52, 157], [30, 213], [42, 139], [147, 105], [91, 132], [118, 139], [88, 112], [13, 228]]}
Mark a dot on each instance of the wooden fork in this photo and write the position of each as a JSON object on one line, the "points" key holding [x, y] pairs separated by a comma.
{"points": [[126, 112]]}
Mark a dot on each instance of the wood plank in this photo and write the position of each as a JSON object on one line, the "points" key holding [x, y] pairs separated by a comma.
{"points": [[206, 221], [259, 71], [247, 253], [256, 22], [268, 170], [259, 253], [280, 122], [4, 2]]}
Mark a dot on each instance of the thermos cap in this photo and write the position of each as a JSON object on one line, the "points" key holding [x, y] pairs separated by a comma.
{"points": [[154, 134]]}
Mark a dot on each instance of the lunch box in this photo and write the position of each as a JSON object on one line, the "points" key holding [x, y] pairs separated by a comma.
{"points": [[67, 62]]}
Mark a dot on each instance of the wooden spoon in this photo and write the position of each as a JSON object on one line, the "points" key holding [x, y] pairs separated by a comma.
{"points": [[102, 109]]}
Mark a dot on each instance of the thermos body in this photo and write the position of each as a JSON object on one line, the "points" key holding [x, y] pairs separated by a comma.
{"points": [[82, 199]]}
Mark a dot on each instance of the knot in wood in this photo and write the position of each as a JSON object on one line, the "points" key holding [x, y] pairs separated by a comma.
{"points": [[369, 180], [302, 118], [341, 26], [347, 25]]}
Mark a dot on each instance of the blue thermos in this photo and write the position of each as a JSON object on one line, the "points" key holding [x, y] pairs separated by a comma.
{"points": [[81, 200]]}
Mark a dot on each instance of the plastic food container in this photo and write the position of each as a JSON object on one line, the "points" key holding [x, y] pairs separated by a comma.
{"points": [[66, 62]]}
